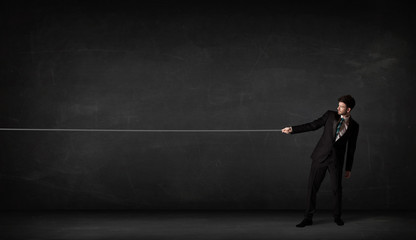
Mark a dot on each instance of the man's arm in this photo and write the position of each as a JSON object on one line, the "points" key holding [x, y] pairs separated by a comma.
{"points": [[318, 123], [352, 143]]}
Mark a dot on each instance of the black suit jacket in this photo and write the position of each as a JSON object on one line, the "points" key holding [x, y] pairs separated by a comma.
{"points": [[327, 144]]}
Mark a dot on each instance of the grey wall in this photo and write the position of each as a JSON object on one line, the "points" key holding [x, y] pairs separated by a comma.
{"points": [[167, 66]]}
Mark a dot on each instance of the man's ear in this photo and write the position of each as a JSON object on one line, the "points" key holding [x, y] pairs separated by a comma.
{"points": [[348, 110]]}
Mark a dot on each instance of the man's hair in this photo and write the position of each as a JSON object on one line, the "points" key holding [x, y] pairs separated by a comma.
{"points": [[348, 100]]}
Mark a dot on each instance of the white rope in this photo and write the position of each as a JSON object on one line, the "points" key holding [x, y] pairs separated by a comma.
{"points": [[135, 130]]}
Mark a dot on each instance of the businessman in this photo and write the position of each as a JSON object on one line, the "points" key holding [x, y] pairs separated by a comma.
{"points": [[339, 137]]}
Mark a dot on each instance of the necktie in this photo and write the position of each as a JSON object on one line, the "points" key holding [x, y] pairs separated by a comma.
{"points": [[339, 126]]}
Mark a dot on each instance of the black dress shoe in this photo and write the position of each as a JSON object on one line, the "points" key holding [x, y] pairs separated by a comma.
{"points": [[339, 221], [305, 222]]}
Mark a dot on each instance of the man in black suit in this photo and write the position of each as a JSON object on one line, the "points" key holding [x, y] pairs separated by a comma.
{"points": [[339, 136]]}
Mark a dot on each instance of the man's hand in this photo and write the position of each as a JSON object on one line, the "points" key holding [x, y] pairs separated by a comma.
{"points": [[287, 130], [347, 174]]}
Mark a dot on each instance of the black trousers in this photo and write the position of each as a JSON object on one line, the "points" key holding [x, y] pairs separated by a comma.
{"points": [[316, 176]]}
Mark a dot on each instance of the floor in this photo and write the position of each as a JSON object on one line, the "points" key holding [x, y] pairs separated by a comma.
{"points": [[203, 225]]}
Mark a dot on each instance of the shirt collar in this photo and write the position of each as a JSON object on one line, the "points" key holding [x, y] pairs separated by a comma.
{"points": [[346, 118]]}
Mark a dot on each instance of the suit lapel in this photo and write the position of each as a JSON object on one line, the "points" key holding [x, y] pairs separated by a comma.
{"points": [[334, 125], [350, 125]]}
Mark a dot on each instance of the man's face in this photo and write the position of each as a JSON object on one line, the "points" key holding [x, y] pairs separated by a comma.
{"points": [[342, 109]]}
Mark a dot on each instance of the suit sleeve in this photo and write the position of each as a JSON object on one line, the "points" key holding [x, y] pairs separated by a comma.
{"points": [[318, 123], [352, 143]]}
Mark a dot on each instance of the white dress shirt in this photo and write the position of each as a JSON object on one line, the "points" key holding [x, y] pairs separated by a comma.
{"points": [[343, 127]]}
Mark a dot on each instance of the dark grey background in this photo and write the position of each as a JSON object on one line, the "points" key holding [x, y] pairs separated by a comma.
{"points": [[121, 65]]}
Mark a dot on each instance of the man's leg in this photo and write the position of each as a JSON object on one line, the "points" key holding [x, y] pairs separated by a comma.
{"points": [[336, 183], [316, 176]]}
